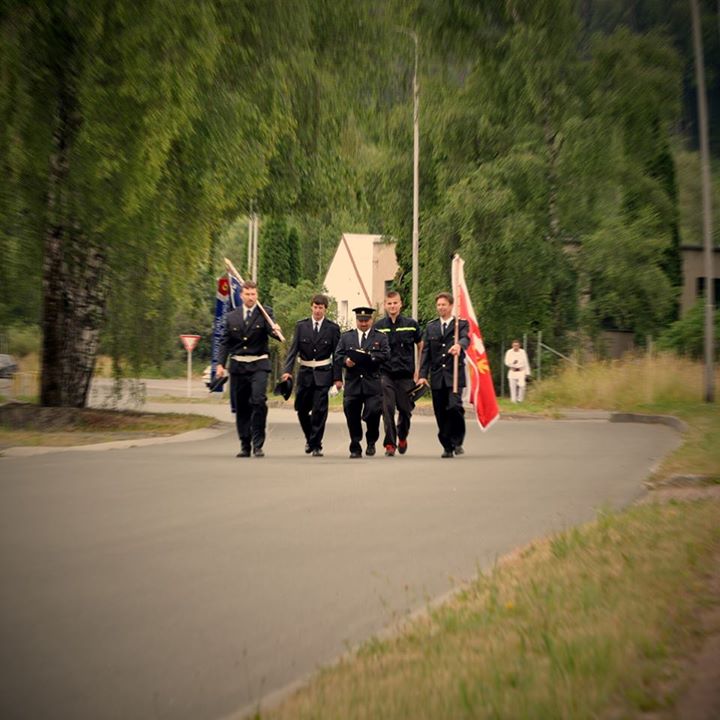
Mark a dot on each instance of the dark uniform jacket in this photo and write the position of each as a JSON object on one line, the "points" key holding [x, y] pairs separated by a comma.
{"points": [[402, 336], [436, 364], [360, 380], [243, 338], [309, 347]]}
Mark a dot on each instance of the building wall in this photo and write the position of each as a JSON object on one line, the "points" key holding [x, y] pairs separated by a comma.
{"points": [[385, 266], [693, 268], [341, 280]]}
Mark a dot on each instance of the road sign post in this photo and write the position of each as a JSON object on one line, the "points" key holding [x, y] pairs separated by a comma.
{"points": [[189, 341]]}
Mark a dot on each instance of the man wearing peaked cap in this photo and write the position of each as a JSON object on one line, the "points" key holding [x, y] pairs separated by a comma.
{"points": [[314, 343], [360, 354]]}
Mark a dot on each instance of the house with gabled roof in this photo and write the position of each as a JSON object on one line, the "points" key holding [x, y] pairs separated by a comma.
{"points": [[361, 271]]}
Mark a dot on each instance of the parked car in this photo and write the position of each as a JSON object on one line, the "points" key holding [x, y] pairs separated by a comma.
{"points": [[8, 366]]}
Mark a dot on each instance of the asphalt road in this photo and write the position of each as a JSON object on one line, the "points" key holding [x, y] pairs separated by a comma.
{"points": [[176, 581]]}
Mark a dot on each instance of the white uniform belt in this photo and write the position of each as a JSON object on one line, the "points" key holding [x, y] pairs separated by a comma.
{"points": [[250, 358], [316, 363]]}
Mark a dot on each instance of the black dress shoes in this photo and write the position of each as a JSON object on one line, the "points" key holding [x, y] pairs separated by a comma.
{"points": [[258, 452], [447, 453], [459, 450], [243, 453], [370, 449], [308, 449], [355, 454], [317, 452]]}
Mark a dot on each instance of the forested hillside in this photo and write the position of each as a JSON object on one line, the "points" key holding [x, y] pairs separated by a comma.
{"points": [[557, 155]]}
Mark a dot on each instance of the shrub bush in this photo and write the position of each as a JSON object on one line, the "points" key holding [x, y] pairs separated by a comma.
{"points": [[687, 335]]}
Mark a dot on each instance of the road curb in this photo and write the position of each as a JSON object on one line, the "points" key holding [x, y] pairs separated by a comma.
{"points": [[669, 420]]}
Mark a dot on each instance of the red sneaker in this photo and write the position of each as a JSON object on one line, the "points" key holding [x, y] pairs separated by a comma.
{"points": [[402, 446], [390, 450]]}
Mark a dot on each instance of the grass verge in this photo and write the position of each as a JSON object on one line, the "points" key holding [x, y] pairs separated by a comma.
{"points": [[28, 424], [592, 622]]}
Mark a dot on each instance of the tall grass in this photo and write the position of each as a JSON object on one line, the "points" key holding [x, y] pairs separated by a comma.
{"points": [[662, 379], [23, 339], [585, 625]]}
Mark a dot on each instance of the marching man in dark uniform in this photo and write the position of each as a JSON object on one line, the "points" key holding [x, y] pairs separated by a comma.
{"points": [[314, 342], [439, 351], [246, 342], [398, 375], [361, 352]]}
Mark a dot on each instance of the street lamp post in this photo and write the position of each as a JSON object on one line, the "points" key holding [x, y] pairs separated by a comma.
{"points": [[416, 181], [416, 173]]}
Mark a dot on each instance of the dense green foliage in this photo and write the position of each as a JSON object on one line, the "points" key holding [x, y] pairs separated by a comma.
{"points": [[136, 136], [685, 336]]}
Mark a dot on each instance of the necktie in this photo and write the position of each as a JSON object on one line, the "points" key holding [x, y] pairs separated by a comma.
{"points": [[364, 337], [444, 327], [317, 328], [247, 316]]}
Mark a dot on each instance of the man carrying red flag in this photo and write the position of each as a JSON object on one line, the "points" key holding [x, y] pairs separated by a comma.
{"points": [[479, 384], [445, 341]]}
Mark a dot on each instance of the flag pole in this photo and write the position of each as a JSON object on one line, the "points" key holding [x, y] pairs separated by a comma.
{"points": [[456, 358], [276, 328]]}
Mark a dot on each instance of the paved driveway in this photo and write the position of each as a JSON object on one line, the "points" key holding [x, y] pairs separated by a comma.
{"points": [[176, 581]]}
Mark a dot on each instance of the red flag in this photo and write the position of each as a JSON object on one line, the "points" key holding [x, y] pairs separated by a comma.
{"points": [[479, 385]]}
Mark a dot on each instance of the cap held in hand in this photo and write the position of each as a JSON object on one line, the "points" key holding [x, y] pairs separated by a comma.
{"points": [[284, 388], [418, 391], [217, 384]]}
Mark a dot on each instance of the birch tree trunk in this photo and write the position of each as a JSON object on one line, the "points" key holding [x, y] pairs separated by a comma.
{"points": [[74, 278]]}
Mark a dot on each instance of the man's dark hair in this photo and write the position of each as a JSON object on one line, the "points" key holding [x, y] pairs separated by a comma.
{"points": [[250, 285], [320, 299], [445, 296], [392, 294]]}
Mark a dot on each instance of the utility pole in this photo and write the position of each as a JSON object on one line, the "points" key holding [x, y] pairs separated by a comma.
{"points": [[256, 227], [706, 203], [252, 259], [250, 241]]}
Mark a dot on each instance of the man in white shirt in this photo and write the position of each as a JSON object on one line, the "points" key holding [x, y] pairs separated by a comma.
{"points": [[516, 360]]}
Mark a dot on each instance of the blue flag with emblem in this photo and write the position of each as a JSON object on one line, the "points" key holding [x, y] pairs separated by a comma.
{"points": [[226, 298]]}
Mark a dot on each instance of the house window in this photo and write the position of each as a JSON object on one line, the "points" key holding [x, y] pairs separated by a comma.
{"points": [[700, 289], [388, 286]]}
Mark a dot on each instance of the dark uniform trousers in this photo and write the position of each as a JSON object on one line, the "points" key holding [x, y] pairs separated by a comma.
{"points": [[397, 382], [396, 396], [249, 393], [313, 384], [450, 417], [248, 380], [437, 365], [362, 400]]}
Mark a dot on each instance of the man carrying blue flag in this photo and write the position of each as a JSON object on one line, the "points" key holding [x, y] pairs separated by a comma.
{"points": [[245, 342]]}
